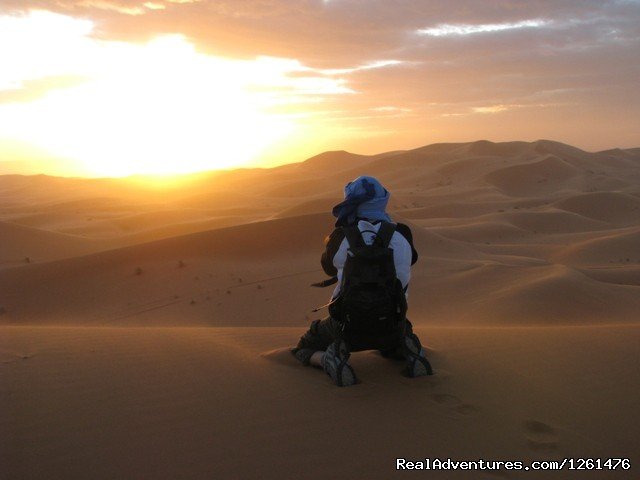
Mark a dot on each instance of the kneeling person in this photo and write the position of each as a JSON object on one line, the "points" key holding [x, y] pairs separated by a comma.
{"points": [[370, 257]]}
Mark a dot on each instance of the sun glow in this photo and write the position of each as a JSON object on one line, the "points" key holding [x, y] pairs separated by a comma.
{"points": [[155, 108]]}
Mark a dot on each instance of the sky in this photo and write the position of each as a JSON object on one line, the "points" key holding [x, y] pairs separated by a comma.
{"points": [[117, 87]]}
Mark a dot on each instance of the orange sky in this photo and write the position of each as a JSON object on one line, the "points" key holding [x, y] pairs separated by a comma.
{"points": [[115, 87]]}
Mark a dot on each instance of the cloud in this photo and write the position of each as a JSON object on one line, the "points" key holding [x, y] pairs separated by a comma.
{"points": [[153, 6], [118, 7], [494, 108], [30, 90], [83, 98], [53, 46], [445, 29], [392, 109], [367, 66], [359, 55], [43, 44], [504, 108]]}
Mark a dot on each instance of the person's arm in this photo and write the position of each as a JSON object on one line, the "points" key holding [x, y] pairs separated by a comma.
{"points": [[405, 231], [332, 244]]}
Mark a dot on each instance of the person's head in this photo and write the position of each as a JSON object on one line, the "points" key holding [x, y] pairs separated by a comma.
{"points": [[364, 197]]}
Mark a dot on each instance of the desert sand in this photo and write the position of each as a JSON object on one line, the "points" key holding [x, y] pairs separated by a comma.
{"points": [[145, 326]]}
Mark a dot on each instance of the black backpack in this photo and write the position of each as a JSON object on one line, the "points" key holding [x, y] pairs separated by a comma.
{"points": [[371, 299]]}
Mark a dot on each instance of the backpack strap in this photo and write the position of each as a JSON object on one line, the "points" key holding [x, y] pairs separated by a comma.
{"points": [[354, 238], [385, 233]]}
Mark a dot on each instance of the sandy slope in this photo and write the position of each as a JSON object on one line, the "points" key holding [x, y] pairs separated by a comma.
{"points": [[22, 245], [527, 292], [230, 403], [276, 260]]}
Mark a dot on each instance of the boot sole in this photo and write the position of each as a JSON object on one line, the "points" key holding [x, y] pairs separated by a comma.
{"points": [[417, 365], [337, 367]]}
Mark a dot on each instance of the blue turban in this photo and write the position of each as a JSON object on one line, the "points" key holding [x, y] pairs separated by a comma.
{"points": [[365, 197]]}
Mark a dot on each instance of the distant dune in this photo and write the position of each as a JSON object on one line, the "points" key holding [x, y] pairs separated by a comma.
{"points": [[21, 245], [486, 216], [526, 294]]}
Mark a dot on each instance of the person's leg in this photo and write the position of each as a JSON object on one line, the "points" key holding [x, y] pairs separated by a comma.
{"points": [[415, 356], [409, 349], [394, 349], [317, 358], [323, 347], [335, 364], [315, 341]]}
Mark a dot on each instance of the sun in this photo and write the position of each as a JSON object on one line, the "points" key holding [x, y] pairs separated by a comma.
{"points": [[164, 109], [154, 108]]}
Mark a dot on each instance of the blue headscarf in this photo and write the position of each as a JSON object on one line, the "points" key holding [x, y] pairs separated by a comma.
{"points": [[365, 197]]}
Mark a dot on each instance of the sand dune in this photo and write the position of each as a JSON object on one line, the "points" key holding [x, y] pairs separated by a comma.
{"points": [[612, 207], [545, 176], [472, 238], [551, 221], [482, 232], [561, 294], [316, 205], [526, 294], [332, 162], [618, 247], [201, 403], [22, 245], [452, 210], [621, 275], [103, 287], [529, 294], [300, 188]]}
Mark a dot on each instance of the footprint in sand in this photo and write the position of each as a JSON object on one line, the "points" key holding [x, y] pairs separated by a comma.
{"points": [[454, 403], [540, 436]]}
